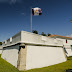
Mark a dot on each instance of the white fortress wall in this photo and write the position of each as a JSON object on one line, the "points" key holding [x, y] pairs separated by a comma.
{"points": [[10, 54], [42, 56]]}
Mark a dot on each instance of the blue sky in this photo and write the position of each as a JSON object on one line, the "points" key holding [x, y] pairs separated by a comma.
{"points": [[15, 16]]}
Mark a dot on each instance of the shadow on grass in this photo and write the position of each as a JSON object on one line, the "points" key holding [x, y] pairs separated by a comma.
{"points": [[69, 58]]}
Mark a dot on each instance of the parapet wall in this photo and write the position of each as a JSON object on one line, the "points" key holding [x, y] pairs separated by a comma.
{"points": [[27, 37]]}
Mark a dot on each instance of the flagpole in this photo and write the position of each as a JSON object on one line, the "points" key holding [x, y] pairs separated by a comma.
{"points": [[31, 19]]}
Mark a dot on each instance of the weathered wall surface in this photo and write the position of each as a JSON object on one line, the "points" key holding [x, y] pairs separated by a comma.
{"points": [[10, 54], [69, 42], [27, 37], [42, 56], [13, 40], [1, 48], [22, 58], [68, 50]]}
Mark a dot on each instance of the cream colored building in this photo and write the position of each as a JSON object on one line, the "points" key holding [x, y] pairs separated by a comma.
{"points": [[27, 50], [67, 42]]}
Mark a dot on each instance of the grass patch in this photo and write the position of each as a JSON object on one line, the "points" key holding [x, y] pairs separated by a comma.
{"points": [[62, 67], [69, 58], [0, 55]]}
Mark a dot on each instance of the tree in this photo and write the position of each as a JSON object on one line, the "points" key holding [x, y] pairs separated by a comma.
{"points": [[35, 31], [0, 43], [43, 34], [71, 21], [49, 34]]}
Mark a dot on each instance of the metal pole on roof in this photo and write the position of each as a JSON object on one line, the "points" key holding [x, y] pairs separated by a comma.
{"points": [[31, 19]]}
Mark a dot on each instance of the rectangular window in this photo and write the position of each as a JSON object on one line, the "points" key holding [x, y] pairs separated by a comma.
{"points": [[66, 40]]}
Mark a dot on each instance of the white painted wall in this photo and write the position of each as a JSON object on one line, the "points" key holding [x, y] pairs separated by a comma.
{"points": [[1, 49], [15, 39], [69, 42], [28, 37], [68, 49], [42, 56], [10, 54], [67, 46]]}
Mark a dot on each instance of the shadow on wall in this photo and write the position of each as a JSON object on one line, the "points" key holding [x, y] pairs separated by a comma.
{"points": [[65, 51]]}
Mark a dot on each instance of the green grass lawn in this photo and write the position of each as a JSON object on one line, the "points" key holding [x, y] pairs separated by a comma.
{"points": [[6, 67]]}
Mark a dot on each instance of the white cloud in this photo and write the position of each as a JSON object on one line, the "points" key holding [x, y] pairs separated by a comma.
{"points": [[69, 35], [13, 1], [23, 13], [10, 1]]}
